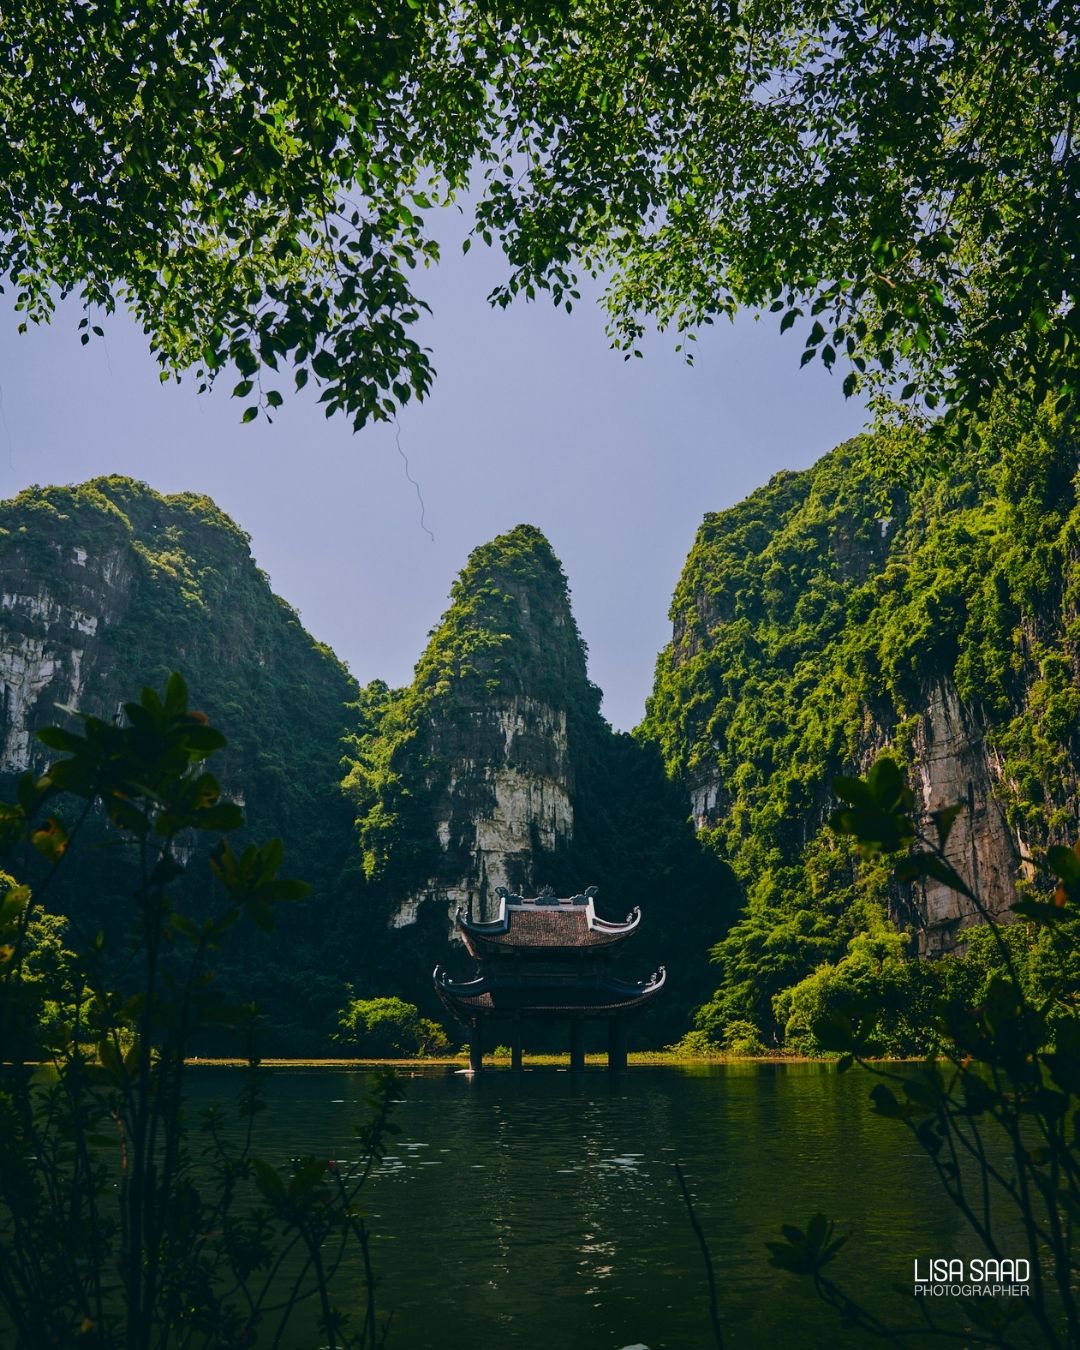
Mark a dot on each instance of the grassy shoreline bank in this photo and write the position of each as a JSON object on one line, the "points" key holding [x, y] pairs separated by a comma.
{"points": [[638, 1059]]}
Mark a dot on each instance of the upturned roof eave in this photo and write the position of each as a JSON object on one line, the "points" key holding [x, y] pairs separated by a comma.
{"points": [[458, 997]]}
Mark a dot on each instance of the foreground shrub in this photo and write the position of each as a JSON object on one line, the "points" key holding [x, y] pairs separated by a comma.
{"points": [[994, 1104], [112, 1237]]}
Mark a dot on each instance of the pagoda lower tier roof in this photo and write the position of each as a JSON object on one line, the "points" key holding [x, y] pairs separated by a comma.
{"points": [[495, 994], [544, 922]]}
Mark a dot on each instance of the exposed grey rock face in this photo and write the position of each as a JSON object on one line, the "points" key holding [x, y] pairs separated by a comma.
{"points": [[51, 631], [955, 763], [508, 791]]}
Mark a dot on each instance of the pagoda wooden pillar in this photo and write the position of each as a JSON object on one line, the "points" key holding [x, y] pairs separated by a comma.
{"points": [[476, 1045], [577, 1044], [515, 1043], [616, 1054]]}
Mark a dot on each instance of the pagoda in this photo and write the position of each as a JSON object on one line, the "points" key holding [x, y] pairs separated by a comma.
{"points": [[546, 959]]}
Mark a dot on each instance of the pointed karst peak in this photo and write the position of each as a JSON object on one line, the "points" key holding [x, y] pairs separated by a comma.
{"points": [[461, 771], [509, 625], [521, 557]]}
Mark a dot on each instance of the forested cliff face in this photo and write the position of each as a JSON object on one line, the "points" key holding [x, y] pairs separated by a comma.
{"points": [[464, 778], [109, 586], [818, 623]]}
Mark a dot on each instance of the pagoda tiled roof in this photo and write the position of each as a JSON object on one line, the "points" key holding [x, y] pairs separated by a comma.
{"points": [[544, 994], [544, 922]]}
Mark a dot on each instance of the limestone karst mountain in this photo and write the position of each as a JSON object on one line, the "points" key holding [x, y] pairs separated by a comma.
{"points": [[818, 623], [466, 778], [108, 586], [493, 768]]}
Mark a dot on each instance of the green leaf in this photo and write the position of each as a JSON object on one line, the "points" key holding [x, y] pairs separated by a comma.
{"points": [[176, 696], [323, 364], [943, 821], [50, 839], [1040, 911], [923, 865], [885, 783], [1064, 863], [853, 790], [268, 1180], [875, 830], [56, 738], [224, 817]]}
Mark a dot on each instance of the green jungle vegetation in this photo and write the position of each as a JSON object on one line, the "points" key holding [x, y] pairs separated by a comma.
{"points": [[509, 635], [175, 577], [388, 1028], [812, 623], [993, 1104], [124, 1218], [260, 202], [898, 187], [109, 1233], [509, 639]]}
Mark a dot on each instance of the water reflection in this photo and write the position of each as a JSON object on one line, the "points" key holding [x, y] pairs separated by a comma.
{"points": [[541, 1210]]}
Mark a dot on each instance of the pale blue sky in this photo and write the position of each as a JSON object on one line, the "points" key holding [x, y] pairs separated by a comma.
{"points": [[532, 419]]}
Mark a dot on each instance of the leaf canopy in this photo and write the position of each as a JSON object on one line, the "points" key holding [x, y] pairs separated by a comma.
{"points": [[254, 180]]}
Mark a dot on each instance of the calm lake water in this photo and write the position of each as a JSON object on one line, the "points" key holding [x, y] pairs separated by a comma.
{"points": [[540, 1211]]}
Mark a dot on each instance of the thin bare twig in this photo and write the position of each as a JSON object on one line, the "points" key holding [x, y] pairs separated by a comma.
{"points": [[706, 1256]]}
